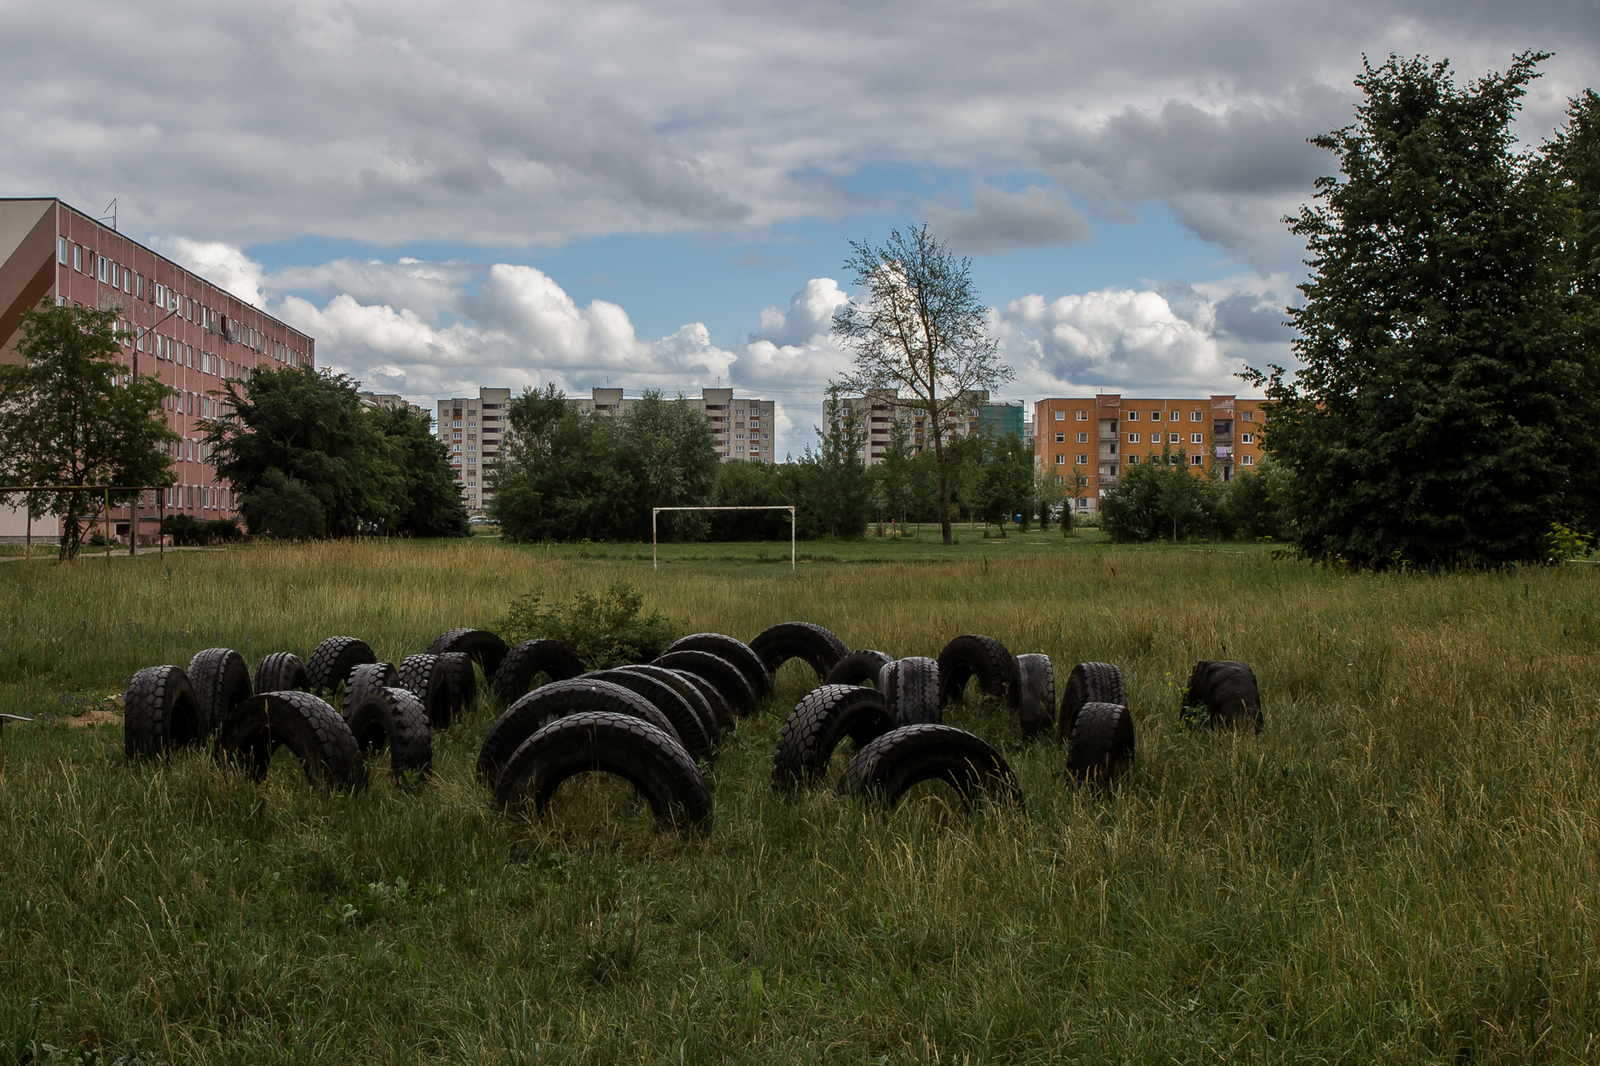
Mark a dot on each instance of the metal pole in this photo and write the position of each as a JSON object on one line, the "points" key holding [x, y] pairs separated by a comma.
{"points": [[105, 523], [27, 552], [791, 539], [655, 562], [161, 512]]}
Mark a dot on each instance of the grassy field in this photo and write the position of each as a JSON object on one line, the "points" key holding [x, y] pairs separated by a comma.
{"points": [[1400, 869]]}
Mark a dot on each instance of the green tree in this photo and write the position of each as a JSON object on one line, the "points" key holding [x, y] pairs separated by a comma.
{"points": [[1159, 497], [427, 498], [309, 426], [1007, 482], [840, 488], [557, 478], [279, 506], [920, 330], [749, 483], [668, 450], [1446, 411], [895, 480], [1253, 507], [71, 415]]}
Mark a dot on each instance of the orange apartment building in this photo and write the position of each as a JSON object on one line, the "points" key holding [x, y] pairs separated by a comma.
{"points": [[187, 331], [1100, 435]]}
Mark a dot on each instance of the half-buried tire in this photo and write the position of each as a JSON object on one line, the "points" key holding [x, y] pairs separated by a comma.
{"points": [[817, 646], [554, 701], [485, 648], [735, 651], [817, 726], [858, 668], [281, 671], [301, 722], [1036, 694], [1228, 692], [367, 679], [721, 709], [219, 680], [331, 662], [911, 688], [666, 698], [159, 713], [516, 673], [424, 676], [973, 655], [1088, 683], [390, 717], [461, 681], [727, 677], [1102, 743], [646, 757], [694, 694], [886, 768]]}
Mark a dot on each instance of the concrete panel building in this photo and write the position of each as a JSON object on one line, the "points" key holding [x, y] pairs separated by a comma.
{"points": [[1097, 437], [741, 428], [186, 330], [881, 408], [473, 429]]}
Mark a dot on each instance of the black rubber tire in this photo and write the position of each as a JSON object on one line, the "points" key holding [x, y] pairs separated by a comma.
{"points": [[365, 679], [735, 651], [425, 678], [557, 700], [819, 723], [975, 655], [911, 688], [282, 671], [1036, 694], [514, 677], [599, 741], [331, 662], [159, 714], [858, 668], [219, 680], [665, 697], [1088, 683], [304, 724], [462, 681], [1228, 691], [390, 717], [901, 758], [727, 678], [1102, 743], [799, 640], [694, 694], [485, 648], [721, 709]]}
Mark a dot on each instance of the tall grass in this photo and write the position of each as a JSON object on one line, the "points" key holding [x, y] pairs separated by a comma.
{"points": [[1401, 868]]}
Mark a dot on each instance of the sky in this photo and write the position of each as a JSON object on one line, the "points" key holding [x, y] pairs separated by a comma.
{"points": [[464, 194]]}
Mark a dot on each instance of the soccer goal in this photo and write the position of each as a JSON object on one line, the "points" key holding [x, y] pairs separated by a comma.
{"points": [[655, 561]]}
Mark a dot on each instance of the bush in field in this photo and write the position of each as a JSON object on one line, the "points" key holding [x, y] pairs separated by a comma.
{"points": [[281, 506], [605, 630], [185, 530]]}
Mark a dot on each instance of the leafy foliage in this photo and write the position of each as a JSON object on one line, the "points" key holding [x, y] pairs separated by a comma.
{"points": [[1447, 409], [280, 506], [70, 415], [604, 630]]}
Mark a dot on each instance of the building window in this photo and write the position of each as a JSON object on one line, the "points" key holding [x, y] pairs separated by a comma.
{"points": [[1060, 480], [1061, 438], [77, 258], [1133, 438], [102, 267], [1248, 416], [1194, 460], [1133, 416], [1061, 460], [1082, 460], [1083, 438], [1083, 416], [1197, 438], [1061, 416], [1248, 460], [1247, 438], [61, 250], [1196, 416], [1133, 460]]}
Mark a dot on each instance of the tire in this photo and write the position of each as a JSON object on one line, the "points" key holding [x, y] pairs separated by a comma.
{"points": [[720, 672], [367, 679], [911, 688], [858, 668], [461, 680], [1229, 693], [1089, 683], [282, 671], [1101, 744], [975, 655], [817, 726], [1036, 694], [735, 651], [390, 717], [600, 741], [159, 714], [219, 681], [485, 648], [558, 700], [305, 725], [664, 697], [886, 768], [693, 694], [424, 677], [331, 662], [514, 676], [799, 640]]}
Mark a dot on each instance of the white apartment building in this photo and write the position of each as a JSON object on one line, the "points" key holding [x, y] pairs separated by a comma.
{"points": [[740, 428], [879, 409], [473, 429]]}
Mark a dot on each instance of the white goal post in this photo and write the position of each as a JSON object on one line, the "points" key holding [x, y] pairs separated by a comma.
{"points": [[655, 562]]}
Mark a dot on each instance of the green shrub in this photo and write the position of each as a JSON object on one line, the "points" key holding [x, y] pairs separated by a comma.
{"points": [[184, 530], [605, 630], [224, 531]]}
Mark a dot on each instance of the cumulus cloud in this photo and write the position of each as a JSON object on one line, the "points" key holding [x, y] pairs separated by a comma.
{"points": [[222, 264], [1002, 222]]}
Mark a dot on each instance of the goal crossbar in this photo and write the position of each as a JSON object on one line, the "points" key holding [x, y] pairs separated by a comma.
{"points": [[655, 562]]}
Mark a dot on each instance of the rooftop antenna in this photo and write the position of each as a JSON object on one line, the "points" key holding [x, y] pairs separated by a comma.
{"points": [[111, 213]]}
